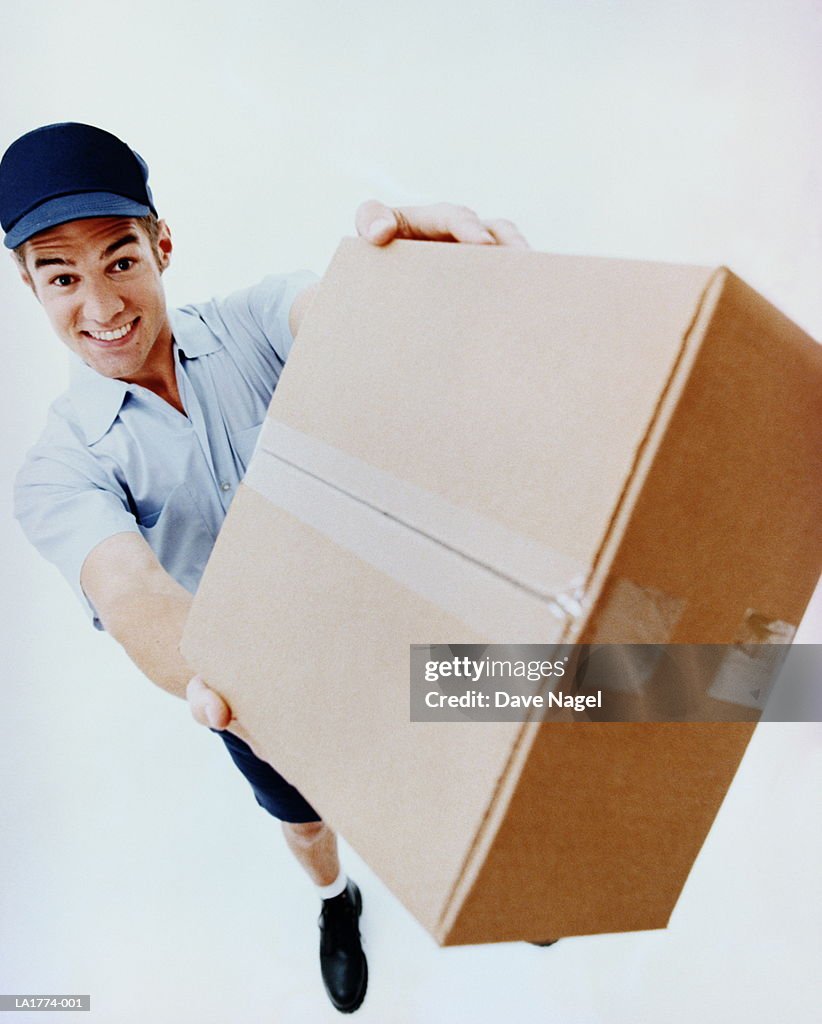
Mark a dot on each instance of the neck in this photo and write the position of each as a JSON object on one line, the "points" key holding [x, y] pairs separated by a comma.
{"points": [[165, 387], [159, 373]]}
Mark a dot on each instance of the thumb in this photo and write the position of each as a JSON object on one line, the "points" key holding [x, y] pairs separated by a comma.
{"points": [[376, 222], [206, 705]]}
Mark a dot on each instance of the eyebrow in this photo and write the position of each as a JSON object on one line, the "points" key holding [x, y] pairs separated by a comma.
{"points": [[52, 261], [128, 239]]}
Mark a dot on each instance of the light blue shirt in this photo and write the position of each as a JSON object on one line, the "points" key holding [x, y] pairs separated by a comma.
{"points": [[116, 458]]}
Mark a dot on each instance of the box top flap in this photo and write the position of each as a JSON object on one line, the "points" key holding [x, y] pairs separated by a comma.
{"points": [[463, 342]]}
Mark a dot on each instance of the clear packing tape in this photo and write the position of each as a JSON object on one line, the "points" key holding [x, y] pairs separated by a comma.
{"points": [[654, 680], [504, 585], [497, 582]]}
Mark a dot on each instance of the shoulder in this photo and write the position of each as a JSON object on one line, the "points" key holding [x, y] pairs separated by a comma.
{"points": [[254, 317], [61, 452], [250, 302], [62, 431]]}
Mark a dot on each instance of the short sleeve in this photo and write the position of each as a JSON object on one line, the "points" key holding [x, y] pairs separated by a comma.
{"points": [[270, 302], [261, 312], [67, 505]]}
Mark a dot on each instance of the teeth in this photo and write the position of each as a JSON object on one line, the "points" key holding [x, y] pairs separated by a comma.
{"points": [[111, 335]]}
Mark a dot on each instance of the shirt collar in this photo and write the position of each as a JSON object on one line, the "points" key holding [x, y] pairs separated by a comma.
{"points": [[191, 333], [98, 399]]}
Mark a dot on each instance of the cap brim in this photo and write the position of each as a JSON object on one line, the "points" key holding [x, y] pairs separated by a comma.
{"points": [[74, 207]]}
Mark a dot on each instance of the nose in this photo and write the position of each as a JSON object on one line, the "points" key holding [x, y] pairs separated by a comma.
{"points": [[101, 302]]}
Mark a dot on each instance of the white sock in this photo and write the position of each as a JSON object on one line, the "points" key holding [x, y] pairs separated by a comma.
{"points": [[328, 892]]}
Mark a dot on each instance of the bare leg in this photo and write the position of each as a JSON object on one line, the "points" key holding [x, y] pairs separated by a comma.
{"points": [[315, 847]]}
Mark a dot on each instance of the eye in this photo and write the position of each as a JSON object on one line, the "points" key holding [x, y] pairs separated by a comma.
{"points": [[124, 263], [63, 280]]}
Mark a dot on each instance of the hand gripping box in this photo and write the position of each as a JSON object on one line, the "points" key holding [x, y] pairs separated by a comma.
{"points": [[474, 445]]}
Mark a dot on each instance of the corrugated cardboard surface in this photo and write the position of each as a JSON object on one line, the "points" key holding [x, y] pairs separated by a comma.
{"points": [[609, 414], [312, 651], [738, 473], [517, 385], [601, 831]]}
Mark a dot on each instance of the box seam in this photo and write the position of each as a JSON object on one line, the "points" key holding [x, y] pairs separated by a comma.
{"points": [[710, 294]]}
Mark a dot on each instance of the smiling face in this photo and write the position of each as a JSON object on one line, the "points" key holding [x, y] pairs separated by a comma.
{"points": [[99, 281]]}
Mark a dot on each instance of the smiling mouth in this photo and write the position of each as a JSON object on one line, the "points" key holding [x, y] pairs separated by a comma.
{"points": [[109, 337]]}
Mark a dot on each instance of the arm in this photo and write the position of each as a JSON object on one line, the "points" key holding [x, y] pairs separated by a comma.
{"points": [[144, 609], [140, 605]]}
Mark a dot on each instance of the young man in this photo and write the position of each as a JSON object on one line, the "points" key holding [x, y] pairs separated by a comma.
{"points": [[128, 485]]}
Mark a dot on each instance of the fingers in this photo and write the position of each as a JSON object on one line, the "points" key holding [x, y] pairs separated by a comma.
{"points": [[507, 233], [206, 705], [441, 222], [465, 226]]}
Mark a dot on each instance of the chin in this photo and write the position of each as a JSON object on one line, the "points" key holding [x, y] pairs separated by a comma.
{"points": [[113, 365]]}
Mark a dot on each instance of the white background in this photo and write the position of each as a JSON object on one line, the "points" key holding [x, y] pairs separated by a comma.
{"points": [[134, 864]]}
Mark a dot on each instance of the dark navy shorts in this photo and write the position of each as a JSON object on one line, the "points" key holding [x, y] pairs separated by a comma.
{"points": [[273, 793]]}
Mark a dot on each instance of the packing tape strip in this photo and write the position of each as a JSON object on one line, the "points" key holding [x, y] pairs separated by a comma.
{"points": [[752, 663], [537, 567], [632, 614], [665, 683], [636, 621], [465, 563]]}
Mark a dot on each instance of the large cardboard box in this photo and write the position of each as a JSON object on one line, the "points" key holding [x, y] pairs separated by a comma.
{"points": [[474, 445]]}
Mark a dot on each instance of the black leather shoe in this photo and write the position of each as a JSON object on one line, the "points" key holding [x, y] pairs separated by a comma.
{"points": [[342, 961]]}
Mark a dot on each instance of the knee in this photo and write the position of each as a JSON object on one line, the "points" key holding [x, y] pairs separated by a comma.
{"points": [[304, 833]]}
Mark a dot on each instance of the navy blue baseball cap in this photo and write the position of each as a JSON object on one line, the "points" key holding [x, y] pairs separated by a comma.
{"points": [[69, 171]]}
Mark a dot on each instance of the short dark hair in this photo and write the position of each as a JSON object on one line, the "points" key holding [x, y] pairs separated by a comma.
{"points": [[150, 225]]}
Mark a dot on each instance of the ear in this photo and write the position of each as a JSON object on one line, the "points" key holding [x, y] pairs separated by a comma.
{"points": [[164, 245]]}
